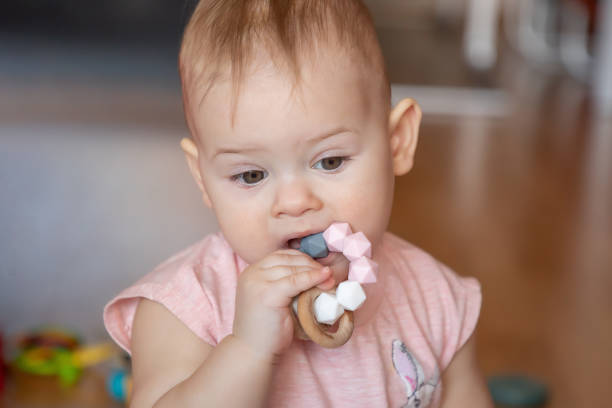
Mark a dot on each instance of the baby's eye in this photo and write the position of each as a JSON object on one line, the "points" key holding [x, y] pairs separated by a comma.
{"points": [[330, 163], [250, 177]]}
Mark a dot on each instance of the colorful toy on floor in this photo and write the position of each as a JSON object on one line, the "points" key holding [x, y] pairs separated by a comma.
{"points": [[119, 385], [517, 391], [49, 337], [55, 352], [315, 307]]}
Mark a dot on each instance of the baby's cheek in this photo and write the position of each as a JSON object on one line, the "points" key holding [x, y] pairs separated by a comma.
{"points": [[367, 208], [243, 228]]}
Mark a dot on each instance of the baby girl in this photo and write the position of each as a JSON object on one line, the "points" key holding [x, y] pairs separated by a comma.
{"points": [[288, 108]]}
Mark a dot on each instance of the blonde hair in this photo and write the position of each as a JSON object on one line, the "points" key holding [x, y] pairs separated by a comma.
{"points": [[222, 35]]}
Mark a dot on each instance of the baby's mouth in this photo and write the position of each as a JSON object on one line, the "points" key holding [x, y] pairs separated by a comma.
{"points": [[294, 243], [339, 264]]}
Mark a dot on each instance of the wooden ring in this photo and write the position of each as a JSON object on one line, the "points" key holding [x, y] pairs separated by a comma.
{"points": [[314, 330], [298, 332]]}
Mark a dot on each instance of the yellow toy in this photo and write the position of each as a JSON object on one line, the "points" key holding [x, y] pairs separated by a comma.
{"points": [[53, 352]]}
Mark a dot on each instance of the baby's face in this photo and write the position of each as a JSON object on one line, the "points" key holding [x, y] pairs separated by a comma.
{"points": [[292, 166]]}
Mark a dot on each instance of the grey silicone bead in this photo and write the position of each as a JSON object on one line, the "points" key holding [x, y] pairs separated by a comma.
{"points": [[314, 245]]}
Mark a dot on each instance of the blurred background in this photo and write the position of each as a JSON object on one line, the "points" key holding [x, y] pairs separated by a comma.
{"points": [[512, 182]]}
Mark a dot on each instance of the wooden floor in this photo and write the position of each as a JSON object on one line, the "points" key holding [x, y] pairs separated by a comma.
{"points": [[525, 205], [28, 391]]}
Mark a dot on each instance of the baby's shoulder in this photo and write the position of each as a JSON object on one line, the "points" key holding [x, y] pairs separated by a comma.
{"points": [[209, 256], [419, 275], [197, 285], [430, 297], [408, 259]]}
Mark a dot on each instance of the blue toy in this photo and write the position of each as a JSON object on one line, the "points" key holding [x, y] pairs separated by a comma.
{"points": [[314, 245]]}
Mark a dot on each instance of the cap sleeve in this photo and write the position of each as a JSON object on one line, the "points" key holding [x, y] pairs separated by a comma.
{"points": [[461, 300], [183, 295], [446, 306]]}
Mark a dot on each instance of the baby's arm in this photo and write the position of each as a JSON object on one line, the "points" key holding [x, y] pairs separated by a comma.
{"points": [[172, 367], [464, 385]]}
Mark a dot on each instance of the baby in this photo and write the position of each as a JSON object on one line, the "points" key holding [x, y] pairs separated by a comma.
{"points": [[288, 106]]}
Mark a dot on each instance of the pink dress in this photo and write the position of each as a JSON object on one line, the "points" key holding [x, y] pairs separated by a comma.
{"points": [[416, 317]]}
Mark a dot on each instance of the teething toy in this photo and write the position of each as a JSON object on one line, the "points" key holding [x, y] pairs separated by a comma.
{"points": [[355, 246], [335, 234], [327, 309], [311, 327], [350, 295], [316, 311], [314, 245], [362, 270]]}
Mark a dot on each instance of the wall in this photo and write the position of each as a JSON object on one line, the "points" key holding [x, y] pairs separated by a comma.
{"points": [[85, 210]]}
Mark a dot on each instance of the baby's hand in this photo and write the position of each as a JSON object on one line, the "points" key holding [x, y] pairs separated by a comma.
{"points": [[264, 295]]}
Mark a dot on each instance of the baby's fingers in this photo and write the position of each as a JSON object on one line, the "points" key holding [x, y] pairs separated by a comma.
{"points": [[279, 272], [294, 284], [287, 257]]}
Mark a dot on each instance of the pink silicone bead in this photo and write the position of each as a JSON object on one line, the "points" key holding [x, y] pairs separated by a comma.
{"points": [[363, 270], [335, 234], [357, 245]]}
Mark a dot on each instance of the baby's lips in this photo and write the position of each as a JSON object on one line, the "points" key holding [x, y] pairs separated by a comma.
{"points": [[294, 243]]}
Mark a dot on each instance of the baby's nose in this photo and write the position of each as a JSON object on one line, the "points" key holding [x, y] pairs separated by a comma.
{"points": [[294, 198]]}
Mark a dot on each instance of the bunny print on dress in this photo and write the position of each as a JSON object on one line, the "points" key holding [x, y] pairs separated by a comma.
{"points": [[418, 392]]}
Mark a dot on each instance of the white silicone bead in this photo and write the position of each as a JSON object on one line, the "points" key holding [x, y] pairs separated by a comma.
{"points": [[327, 309], [350, 295]]}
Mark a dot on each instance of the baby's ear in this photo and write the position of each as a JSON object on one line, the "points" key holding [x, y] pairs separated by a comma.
{"points": [[192, 155], [404, 122]]}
